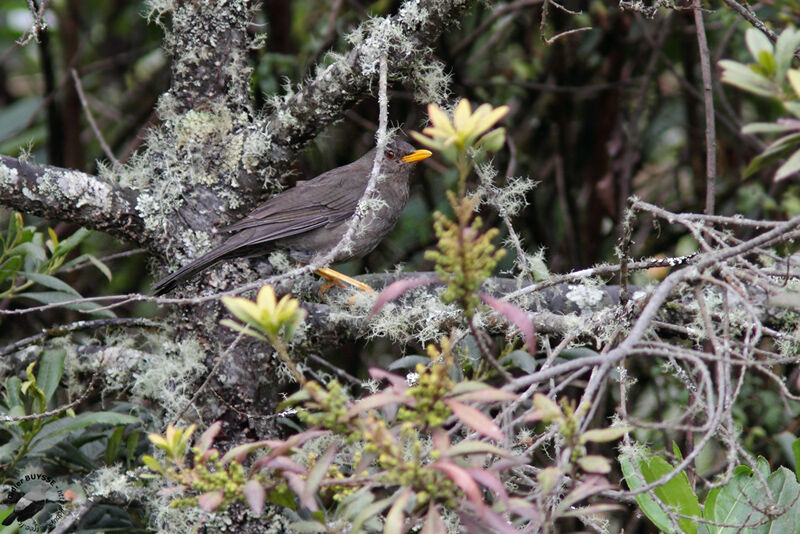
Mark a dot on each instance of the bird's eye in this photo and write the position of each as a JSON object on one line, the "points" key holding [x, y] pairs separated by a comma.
{"points": [[389, 154]]}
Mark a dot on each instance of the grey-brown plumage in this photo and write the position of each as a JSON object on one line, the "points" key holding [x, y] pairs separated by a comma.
{"points": [[311, 218]]}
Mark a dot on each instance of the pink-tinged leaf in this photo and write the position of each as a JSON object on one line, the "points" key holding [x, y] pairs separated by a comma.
{"points": [[526, 510], [469, 446], [593, 509], [475, 419], [206, 456], [464, 481], [398, 382], [210, 501], [279, 463], [588, 487], [395, 519], [318, 472], [488, 394], [489, 481], [514, 315], [255, 495], [434, 524], [295, 440], [240, 452], [441, 441], [297, 485], [396, 289], [499, 523], [207, 438], [378, 400], [594, 463]]}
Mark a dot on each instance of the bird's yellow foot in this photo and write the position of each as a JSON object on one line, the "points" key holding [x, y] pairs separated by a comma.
{"points": [[336, 278]]}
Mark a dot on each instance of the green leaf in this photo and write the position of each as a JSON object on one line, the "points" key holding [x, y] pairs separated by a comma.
{"points": [[792, 107], [768, 127], [55, 431], [757, 43], [10, 267], [408, 362], [796, 451], [55, 297], [130, 448], [71, 242], [745, 78], [13, 393], [371, 511], [102, 267], [774, 152], [743, 500], [245, 329], [677, 494], [152, 464], [14, 225], [29, 250], [113, 445], [51, 368], [521, 360], [767, 62], [788, 41], [52, 282], [791, 166]]}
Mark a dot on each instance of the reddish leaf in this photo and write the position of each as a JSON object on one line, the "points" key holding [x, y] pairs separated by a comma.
{"points": [[475, 419], [588, 487], [297, 485], [396, 289], [207, 438], [441, 441], [527, 510], [487, 394], [281, 446], [499, 523], [318, 472], [240, 452], [465, 482], [279, 463], [395, 519], [398, 382], [255, 495], [469, 446], [489, 481], [434, 524], [210, 501], [513, 314], [378, 400]]}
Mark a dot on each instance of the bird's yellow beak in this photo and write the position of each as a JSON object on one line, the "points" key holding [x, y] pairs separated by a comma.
{"points": [[417, 155]]}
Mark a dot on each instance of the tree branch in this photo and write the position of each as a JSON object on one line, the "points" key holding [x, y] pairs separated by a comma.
{"points": [[56, 193]]}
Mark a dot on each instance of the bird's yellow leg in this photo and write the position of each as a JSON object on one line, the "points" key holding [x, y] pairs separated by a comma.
{"points": [[336, 278]]}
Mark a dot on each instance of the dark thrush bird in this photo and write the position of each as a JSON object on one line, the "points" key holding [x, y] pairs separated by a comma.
{"points": [[311, 218]]}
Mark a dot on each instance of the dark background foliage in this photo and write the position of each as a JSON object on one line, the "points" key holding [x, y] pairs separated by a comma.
{"points": [[596, 116]]}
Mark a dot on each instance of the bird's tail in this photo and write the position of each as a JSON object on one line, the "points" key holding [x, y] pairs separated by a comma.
{"points": [[188, 271]]}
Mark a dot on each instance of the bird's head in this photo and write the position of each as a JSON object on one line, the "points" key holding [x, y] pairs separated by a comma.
{"points": [[401, 153]]}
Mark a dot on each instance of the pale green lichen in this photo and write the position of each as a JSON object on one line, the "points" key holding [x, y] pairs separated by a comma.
{"points": [[8, 176], [78, 188], [586, 297]]}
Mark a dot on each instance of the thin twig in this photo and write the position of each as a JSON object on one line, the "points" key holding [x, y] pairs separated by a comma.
{"points": [[92, 123], [77, 326], [708, 104]]}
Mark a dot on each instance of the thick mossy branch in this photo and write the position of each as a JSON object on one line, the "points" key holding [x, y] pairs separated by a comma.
{"points": [[69, 195]]}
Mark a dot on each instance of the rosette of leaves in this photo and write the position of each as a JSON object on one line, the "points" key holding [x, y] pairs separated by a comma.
{"points": [[771, 76], [29, 258]]}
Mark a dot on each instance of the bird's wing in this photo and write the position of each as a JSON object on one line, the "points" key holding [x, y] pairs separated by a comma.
{"points": [[326, 200]]}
